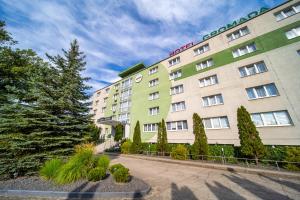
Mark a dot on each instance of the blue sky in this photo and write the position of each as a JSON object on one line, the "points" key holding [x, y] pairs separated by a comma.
{"points": [[116, 34]]}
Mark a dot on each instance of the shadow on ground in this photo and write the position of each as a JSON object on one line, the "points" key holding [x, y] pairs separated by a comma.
{"points": [[286, 183], [89, 195], [256, 189], [223, 192], [181, 193]]}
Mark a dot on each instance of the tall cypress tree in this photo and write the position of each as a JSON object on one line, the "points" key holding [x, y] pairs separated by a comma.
{"points": [[164, 138], [137, 142], [200, 146], [251, 144], [159, 142]]}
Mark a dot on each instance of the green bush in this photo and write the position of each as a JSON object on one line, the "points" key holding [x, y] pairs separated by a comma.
{"points": [[121, 175], [103, 161], [76, 168], [96, 174], [51, 168], [115, 167], [293, 155], [179, 152], [125, 147]]}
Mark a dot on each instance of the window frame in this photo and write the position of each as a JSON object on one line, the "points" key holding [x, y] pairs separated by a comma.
{"points": [[152, 109], [265, 90], [255, 67], [283, 12], [204, 64], [174, 87], [215, 98], [176, 125], [175, 74], [210, 79], [247, 47], [219, 120], [177, 105], [198, 52], [229, 36], [155, 81], [155, 70], [174, 61], [151, 95], [261, 114]]}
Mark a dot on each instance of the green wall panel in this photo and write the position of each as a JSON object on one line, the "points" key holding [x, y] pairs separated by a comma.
{"points": [[264, 43], [140, 103]]}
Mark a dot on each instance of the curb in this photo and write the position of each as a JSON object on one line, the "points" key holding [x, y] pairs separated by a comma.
{"points": [[230, 168], [74, 195]]}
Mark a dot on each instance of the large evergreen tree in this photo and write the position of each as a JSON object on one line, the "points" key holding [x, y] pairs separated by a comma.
{"points": [[137, 142], [200, 146], [251, 144], [35, 122]]}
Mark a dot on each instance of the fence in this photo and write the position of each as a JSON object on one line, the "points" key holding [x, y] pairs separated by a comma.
{"points": [[243, 162]]}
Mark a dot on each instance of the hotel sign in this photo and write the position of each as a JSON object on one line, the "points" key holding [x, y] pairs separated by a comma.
{"points": [[236, 22], [177, 51]]}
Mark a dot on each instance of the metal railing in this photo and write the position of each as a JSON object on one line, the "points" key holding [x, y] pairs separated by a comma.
{"points": [[223, 160]]}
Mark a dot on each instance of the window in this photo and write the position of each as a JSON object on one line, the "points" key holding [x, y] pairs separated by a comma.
{"points": [[150, 127], [98, 94], [154, 95], [275, 118], [153, 82], [216, 122], [124, 106], [117, 86], [103, 109], [176, 89], [252, 69], [289, 11], [114, 107], [115, 97], [125, 94], [212, 100], [201, 49], [262, 91], [207, 81], [96, 103], [105, 99], [107, 90], [178, 106], [177, 125], [153, 70], [204, 64], [237, 34], [127, 83], [124, 117], [174, 61], [295, 32], [175, 75], [153, 111], [244, 50]]}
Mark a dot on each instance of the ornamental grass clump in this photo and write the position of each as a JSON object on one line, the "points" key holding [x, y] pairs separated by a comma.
{"points": [[51, 168], [103, 162], [77, 167]]}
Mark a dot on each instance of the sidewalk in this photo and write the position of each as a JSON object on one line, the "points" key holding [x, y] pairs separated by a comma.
{"points": [[230, 168]]}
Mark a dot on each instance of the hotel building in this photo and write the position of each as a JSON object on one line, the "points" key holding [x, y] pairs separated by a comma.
{"points": [[253, 61]]}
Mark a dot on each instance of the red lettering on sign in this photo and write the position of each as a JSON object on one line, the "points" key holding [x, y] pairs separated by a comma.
{"points": [[177, 51]]}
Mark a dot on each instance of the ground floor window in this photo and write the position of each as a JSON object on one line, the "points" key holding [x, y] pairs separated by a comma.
{"points": [[150, 127], [177, 125], [274, 118], [216, 122]]}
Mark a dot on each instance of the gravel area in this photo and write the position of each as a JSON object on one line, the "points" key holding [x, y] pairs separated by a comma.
{"points": [[106, 185]]}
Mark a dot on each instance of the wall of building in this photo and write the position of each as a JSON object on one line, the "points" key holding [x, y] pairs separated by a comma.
{"points": [[282, 62]]}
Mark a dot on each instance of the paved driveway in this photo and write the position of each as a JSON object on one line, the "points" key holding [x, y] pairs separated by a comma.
{"points": [[173, 181]]}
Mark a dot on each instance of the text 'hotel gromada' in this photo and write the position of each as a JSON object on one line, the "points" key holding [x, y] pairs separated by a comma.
{"points": [[253, 61]]}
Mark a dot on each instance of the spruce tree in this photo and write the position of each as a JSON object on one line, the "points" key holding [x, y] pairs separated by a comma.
{"points": [[164, 138], [43, 111], [251, 144], [200, 146], [137, 143]]}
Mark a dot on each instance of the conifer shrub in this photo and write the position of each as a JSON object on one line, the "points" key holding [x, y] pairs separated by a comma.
{"points": [[125, 147], [293, 155], [121, 175], [103, 162], [136, 145], [51, 168], [180, 152], [96, 174], [115, 167]]}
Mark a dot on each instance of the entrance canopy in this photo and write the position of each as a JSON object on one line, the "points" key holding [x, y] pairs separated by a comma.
{"points": [[108, 121]]}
